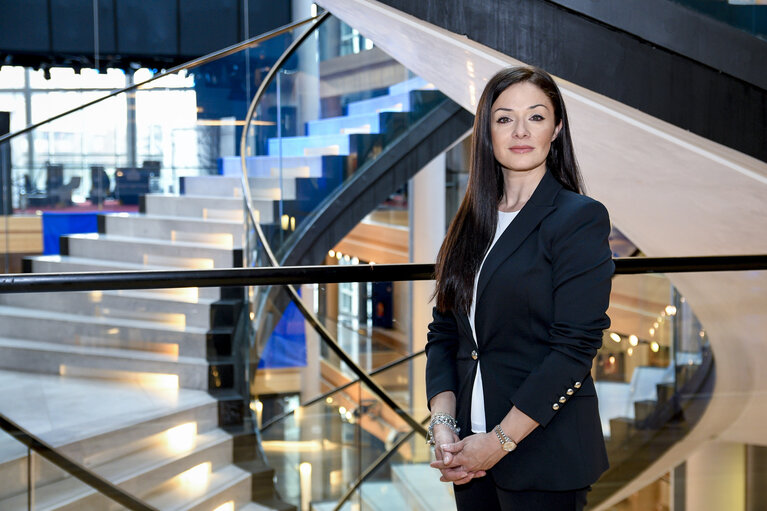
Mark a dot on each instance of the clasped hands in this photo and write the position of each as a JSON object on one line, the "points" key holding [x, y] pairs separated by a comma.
{"points": [[460, 461]]}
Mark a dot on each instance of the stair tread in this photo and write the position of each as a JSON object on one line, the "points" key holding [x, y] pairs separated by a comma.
{"points": [[98, 351], [103, 263], [176, 218], [175, 495], [133, 240], [9, 310], [117, 471], [30, 398]]}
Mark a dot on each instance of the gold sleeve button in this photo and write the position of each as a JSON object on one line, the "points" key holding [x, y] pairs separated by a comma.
{"points": [[577, 385], [562, 399], [569, 392], [555, 406]]}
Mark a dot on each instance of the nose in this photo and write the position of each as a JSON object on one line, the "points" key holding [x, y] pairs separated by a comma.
{"points": [[520, 129]]}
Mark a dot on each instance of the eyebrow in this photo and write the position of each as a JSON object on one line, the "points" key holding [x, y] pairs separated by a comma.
{"points": [[529, 108]]}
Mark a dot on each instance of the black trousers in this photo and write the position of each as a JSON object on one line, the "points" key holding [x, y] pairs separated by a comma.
{"points": [[482, 494]]}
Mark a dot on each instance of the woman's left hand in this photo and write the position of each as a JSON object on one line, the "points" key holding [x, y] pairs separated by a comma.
{"points": [[475, 453]]}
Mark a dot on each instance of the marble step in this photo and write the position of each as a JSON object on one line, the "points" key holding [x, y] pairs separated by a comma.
{"points": [[312, 145], [59, 264], [389, 103], [126, 304], [253, 506], [415, 83], [225, 233], [103, 332], [96, 422], [381, 496], [153, 369], [421, 488], [231, 186], [205, 490], [136, 473], [147, 251], [345, 124], [199, 206], [273, 166]]}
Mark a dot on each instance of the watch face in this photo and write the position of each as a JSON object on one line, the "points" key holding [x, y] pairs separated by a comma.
{"points": [[509, 446]]}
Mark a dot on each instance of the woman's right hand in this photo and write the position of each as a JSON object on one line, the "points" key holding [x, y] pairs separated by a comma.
{"points": [[450, 473]]}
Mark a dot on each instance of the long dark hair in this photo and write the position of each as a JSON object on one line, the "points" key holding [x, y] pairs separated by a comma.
{"points": [[474, 225]]}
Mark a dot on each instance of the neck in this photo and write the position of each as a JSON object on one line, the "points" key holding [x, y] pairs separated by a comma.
{"points": [[518, 187]]}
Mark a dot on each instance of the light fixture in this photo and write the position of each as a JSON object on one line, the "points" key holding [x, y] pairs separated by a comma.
{"points": [[633, 340], [332, 253], [652, 331], [655, 347], [670, 310], [615, 337], [630, 351]]}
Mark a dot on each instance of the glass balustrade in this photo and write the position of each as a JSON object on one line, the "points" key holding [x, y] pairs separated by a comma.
{"points": [[335, 106], [17, 464], [649, 375], [167, 136]]}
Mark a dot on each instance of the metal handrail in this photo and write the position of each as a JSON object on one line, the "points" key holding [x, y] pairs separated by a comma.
{"points": [[72, 467], [210, 57], [296, 275], [324, 396], [308, 315]]}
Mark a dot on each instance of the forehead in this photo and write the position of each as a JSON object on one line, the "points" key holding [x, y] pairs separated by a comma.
{"points": [[521, 96]]}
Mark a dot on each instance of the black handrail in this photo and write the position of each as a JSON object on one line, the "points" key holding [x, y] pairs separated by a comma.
{"points": [[229, 50], [324, 396], [308, 315], [72, 467], [296, 275]]}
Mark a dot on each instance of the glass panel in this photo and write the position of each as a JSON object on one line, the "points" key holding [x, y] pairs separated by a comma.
{"points": [[649, 374], [52, 485], [330, 112], [14, 473], [321, 448], [403, 480], [168, 137]]}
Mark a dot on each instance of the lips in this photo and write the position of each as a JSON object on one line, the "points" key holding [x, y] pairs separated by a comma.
{"points": [[520, 149]]}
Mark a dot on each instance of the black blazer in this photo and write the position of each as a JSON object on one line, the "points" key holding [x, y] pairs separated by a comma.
{"points": [[542, 298]]}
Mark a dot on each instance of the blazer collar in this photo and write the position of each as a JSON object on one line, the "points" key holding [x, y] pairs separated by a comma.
{"points": [[540, 204]]}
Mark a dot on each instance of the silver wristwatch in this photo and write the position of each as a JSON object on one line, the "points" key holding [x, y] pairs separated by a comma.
{"points": [[507, 444]]}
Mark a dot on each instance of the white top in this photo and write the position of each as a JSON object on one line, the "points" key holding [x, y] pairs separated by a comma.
{"points": [[477, 397]]}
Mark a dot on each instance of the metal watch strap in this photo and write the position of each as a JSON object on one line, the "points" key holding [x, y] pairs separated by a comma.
{"points": [[507, 444]]}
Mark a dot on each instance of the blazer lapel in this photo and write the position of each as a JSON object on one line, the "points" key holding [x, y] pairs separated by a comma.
{"points": [[540, 204]]}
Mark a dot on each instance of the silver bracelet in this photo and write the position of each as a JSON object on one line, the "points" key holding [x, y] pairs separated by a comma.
{"points": [[441, 418]]}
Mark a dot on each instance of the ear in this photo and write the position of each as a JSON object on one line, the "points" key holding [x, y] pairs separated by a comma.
{"points": [[556, 131]]}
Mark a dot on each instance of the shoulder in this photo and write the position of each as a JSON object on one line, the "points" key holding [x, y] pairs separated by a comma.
{"points": [[573, 209], [575, 213]]}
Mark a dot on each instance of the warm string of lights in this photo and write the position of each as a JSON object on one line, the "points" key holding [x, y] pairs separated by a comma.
{"points": [[345, 257], [634, 341]]}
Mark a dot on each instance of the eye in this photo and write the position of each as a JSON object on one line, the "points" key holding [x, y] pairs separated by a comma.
{"points": [[536, 117], [502, 120]]}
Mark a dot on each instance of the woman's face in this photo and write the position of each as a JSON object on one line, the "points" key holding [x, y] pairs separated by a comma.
{"points": [[522, 127]]}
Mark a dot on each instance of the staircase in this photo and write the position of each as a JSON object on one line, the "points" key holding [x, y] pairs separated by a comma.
{"points": [[137, 385]]}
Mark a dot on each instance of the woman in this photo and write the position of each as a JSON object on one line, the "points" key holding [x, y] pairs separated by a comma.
{"points": [[523, 283]]}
